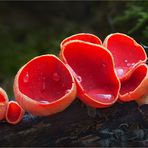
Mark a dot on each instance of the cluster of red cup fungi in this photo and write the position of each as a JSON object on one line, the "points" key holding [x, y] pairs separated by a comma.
{"points": [[98, 73], [10, 110]]}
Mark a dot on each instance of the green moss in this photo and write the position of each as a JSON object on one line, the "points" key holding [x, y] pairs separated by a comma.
{"points": [[133, 20]]}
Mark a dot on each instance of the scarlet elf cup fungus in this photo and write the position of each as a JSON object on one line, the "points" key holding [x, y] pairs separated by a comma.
{"points": [[3, 103], [136, 85], [93, 69], [14, 112], [44, 86], [127, 53], [87, 37], [129, 59]]}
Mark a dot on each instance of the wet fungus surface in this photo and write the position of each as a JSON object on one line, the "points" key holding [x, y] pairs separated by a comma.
{"points": [[93, 69], [44, 80], [126, 51], [130, 58], [45, 83]]}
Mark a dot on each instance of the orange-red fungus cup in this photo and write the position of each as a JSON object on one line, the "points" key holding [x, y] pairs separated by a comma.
{"points": [[44, 86], [136, 86], [127, 53], [14, 112], [93, 69], [86, 37], [129, 59], [3, 103]]}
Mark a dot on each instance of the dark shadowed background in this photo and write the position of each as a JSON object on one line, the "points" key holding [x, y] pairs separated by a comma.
{"points": [[28, 29]]}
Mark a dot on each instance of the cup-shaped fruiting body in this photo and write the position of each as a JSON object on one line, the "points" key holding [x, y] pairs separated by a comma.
{"points": [[93, 69], [136, 85], [3, 103], [127, 53], [44, 86], [86, 37], [14, 112]]}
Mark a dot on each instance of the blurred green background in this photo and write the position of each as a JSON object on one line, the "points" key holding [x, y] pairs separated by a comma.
{"points": [[28, 29]]}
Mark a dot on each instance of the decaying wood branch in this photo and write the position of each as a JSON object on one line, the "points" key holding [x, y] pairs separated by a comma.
{"points": [[120, 125]]}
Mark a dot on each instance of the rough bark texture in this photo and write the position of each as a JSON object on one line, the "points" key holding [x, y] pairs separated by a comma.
{"points": [[120, 125]]}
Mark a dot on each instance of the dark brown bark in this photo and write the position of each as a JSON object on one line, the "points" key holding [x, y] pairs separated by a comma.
{"points": [[120, 125]]}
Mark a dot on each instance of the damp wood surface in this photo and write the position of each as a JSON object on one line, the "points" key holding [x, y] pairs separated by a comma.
{"points": [[120, 125]]}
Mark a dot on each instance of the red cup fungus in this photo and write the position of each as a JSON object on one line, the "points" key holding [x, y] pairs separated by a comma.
{"points": [[14, 112], [127, 53], [3, 103], [86, 37], [102, 74], [129, 59], [93, 69], [136, 86], [44, 86]]}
